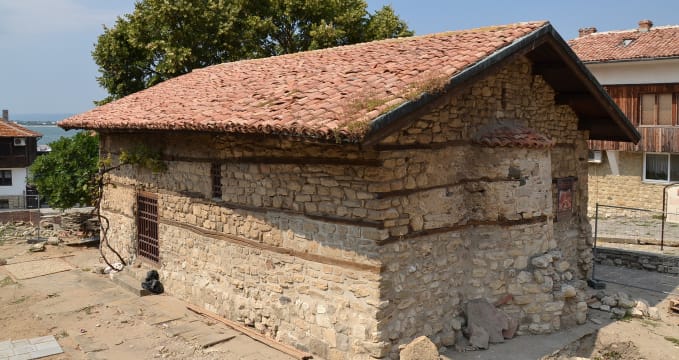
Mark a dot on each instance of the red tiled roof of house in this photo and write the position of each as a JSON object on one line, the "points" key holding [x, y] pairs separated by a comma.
{"points": [[328, 94], [10, 129], [656, 43], [512, 135]]}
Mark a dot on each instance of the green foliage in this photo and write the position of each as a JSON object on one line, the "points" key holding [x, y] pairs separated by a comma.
{"points": [[65, 175], [386, 24], [163, 39], [70, 174], [143, 157]]}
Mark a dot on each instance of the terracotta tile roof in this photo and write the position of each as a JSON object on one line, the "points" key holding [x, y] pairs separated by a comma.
{"points": [[10, 129], [658, 42], [512, 135], [329, 94]]}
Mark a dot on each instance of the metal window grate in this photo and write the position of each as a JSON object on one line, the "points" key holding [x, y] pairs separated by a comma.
{"points": [[147, 227], [216, 174]]}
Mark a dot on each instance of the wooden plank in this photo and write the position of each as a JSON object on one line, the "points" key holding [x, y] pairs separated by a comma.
{"points": [[252, 334], [654, 139]]}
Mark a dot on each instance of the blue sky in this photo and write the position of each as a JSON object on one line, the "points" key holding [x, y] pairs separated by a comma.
{"points": [[45, 45]]}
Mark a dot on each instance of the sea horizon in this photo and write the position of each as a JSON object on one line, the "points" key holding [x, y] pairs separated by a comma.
{"points": [[50, 133], [38, 117]]}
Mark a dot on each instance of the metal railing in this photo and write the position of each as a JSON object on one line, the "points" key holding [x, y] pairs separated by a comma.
{"points": [[627, 225]]}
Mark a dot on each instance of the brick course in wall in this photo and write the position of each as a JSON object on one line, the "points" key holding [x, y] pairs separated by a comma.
{"points": [[348, 252]]}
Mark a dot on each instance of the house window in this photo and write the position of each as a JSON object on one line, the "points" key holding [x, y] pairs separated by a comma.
{"points": [[657, 109], [4, 204], [216, 175], [5, 177], [661, 167]]}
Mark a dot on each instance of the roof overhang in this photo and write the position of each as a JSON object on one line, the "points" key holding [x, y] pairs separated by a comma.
{"points": [[554, 60]]}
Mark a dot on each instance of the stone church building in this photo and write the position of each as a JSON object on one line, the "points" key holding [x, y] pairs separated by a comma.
{"points": [[347, 200]]}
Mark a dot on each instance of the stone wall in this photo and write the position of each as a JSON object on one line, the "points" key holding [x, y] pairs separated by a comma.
{"points": [[497, 233], [637, 260], [15, 201], [626, 189], [348, 252], [11, 216]]}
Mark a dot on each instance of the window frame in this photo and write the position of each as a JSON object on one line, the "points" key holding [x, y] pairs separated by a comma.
{"points": [[669, 168], [656, 109], [3, 178]]}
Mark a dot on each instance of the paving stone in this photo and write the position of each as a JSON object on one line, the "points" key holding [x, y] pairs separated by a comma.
{"points": [[33, 348]]}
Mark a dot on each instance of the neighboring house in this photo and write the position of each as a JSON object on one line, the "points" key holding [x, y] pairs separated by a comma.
{"points": [[640, 70], [348, 200], [17, 151]]}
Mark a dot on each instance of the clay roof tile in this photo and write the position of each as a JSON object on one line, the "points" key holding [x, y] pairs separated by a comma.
{"points": [[656, 43], [310, 94], [10, 129]]}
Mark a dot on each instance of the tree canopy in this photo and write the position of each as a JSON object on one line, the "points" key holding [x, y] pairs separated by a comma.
{"points": [[162, 39], [66, 175]]}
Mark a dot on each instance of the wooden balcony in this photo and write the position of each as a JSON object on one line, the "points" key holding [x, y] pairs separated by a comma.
{"points": [[653, 139], [14, 161]]}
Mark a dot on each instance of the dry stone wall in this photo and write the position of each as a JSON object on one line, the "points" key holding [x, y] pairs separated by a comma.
{"points": [[350, 252]]}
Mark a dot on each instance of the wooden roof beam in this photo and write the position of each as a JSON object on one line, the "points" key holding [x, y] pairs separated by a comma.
{"points": [[573, 98]]}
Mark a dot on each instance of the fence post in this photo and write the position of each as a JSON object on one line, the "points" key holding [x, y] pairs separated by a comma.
{"points": [[596, 224], [664, 215]]}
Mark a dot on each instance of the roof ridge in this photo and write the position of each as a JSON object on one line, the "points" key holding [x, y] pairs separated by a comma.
{"points": [[609, 32], [308, 53]]}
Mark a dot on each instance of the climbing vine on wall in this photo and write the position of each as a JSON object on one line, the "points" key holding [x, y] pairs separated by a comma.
{"points": [[140, 156]]}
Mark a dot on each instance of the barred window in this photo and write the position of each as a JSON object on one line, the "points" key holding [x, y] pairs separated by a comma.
{"points": [[216, 175]]}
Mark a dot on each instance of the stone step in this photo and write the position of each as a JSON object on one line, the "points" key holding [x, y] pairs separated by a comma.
{"points": [[128, 282]]}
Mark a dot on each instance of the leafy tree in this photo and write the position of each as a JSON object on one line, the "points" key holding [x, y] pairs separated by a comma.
{"points": [[65, 175], [162, 39]]}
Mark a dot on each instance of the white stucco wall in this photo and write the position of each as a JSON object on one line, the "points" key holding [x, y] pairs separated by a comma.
{"points": [[636, 72], [18, 183]]}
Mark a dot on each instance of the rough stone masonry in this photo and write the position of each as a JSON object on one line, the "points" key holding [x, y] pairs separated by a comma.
{"points": [[348, 252]]}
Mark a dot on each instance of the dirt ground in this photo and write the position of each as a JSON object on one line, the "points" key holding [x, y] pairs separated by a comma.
{"points": [[633, 338], [93, 318]]}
